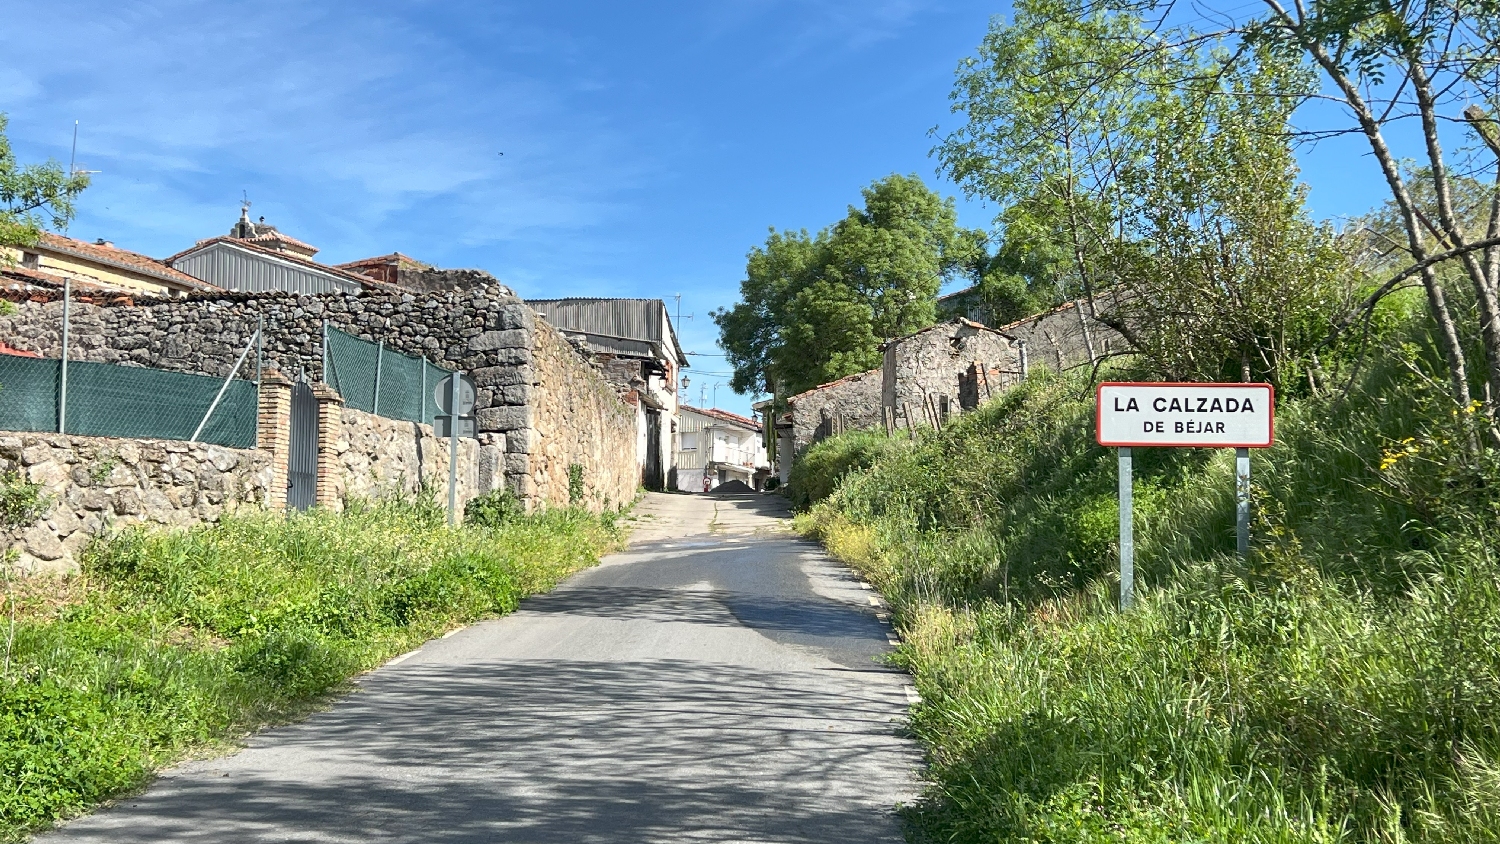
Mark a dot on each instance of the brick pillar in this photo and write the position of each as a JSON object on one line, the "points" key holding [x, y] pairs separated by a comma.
{"points": [[274, 432], [330, 489]]}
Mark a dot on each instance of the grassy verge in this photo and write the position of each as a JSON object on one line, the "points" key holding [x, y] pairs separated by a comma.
{"points": [[1343, 685], [170, 643]]}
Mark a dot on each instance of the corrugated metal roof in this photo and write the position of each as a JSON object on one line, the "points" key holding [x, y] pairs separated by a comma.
{"points": [[631, 319], [223, 264]]}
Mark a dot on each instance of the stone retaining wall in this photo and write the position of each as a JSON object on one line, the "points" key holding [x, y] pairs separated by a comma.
{"points": [[371, 457], [574, 417], [97, 483]]}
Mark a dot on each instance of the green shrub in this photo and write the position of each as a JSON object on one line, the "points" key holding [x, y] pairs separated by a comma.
{"points": [[817, 473], [494, 509], [22, 503], [575, 484]]}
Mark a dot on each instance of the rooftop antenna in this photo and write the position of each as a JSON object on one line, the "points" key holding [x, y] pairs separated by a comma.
{"points": [[73, 156], [680, 317]]}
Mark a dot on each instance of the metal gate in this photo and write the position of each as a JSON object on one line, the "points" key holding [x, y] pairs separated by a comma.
{"points": [[653, 475], [302, 463]]}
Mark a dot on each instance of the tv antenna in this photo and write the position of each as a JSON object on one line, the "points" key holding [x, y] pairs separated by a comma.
{"points": [[73, 156], [680, 317]]}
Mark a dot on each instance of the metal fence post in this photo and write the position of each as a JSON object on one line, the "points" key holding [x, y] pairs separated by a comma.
{"points": [[379, 354], [422, 413], [62, 393]]}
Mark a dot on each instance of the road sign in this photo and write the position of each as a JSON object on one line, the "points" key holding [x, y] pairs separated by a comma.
{"points": [[442, 425], [443, 395], [1186, 415], [1238, 416]]}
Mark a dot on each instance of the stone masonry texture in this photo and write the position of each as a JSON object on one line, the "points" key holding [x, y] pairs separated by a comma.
{"points": [[96, 484], [846, 404], [575, 418], [375, 457], [480, 327], [924, 372]]}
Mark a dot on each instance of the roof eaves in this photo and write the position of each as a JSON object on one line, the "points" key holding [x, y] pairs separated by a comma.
{"points": [[155, 269], [291, 257]]}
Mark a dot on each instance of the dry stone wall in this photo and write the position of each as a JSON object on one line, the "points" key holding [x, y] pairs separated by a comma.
{"points": [[374, 457], [95, 484], [480, 327], [574, 417]]}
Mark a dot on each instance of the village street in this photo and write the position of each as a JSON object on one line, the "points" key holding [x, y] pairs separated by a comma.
{"points": [[718, 681]]}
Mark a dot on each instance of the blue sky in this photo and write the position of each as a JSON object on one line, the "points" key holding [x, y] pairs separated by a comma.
{"points": [[646, 147]]}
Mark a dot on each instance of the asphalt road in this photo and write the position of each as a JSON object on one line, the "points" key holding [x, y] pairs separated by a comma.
{"points": [[717, 682]]}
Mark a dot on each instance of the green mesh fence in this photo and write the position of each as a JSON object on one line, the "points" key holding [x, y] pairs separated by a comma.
{"points": [[356, 366], [106, 400]]}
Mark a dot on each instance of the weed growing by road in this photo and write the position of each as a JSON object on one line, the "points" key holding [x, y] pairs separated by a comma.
{"points": [[173, 641]]}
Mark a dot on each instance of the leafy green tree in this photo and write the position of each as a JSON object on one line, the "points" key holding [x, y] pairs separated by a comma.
{"points": [[1161, 173], [33, 196], [814, 308]]}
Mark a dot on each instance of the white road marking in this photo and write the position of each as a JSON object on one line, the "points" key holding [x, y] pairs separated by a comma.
{"points": [[911, 694], [404, 657], [450, 633], [874, 601]]}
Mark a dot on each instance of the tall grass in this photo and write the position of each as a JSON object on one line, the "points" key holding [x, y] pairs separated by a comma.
{"points": [[170, 642], [1342, 685]]}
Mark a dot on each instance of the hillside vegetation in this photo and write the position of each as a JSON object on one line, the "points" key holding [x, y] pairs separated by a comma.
{"points": [[1342, 685], [171, 642]]}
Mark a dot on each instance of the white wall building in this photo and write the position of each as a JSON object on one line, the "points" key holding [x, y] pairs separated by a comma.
{"points": [[721, 446]]}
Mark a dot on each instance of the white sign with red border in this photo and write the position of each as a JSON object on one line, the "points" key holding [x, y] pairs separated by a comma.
{"points": [[1186, 415]]}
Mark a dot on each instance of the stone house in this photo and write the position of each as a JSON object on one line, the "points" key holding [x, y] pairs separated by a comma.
{"points": [[938, 372], [1067, 336], [850, 403], [720, 446], [633, 343]]}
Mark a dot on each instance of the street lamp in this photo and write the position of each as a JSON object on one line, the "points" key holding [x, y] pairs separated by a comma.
{"points": [[684, 383]]}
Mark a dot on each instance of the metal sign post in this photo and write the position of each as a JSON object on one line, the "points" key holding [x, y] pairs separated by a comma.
{"points": [[1238, 416], [453, 454], [455, 398], [1127, 530]]}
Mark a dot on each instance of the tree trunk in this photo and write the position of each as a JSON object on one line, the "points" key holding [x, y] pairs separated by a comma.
{"points": [[1448, 337]]}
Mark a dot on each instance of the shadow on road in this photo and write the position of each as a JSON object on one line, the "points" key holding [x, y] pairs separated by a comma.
{"points": [[548, 752]]}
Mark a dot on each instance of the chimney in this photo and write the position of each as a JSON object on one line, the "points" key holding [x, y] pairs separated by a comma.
{"points": [[107, 244]]}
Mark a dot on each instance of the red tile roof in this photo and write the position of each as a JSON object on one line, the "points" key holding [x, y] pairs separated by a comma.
{"points": [[846, 378], [124, 259], [276, 236], [724, 416]]}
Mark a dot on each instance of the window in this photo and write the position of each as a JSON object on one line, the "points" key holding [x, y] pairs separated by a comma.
{"points": [[30, 260]]}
